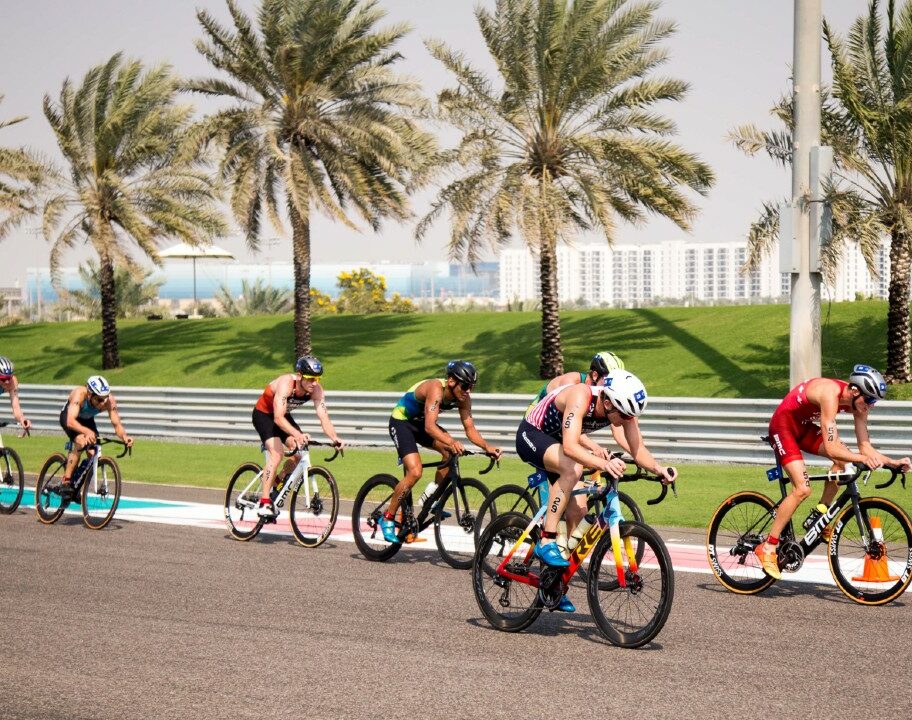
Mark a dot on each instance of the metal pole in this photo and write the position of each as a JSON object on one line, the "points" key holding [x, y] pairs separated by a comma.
{"points": [[804, 336], [194, 286]]}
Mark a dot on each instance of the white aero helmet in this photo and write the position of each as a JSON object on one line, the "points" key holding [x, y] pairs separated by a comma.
{"points": [[870, 382], [97, 385], [625, 391]]}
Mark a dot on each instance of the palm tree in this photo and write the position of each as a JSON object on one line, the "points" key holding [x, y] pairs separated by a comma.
{"points": [[257, 298], [131, 181], [569, 142], [866, 118], [22, 174], [319, 120], [134, 291]]}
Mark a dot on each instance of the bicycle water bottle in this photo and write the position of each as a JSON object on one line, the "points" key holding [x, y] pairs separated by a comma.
{"points": [[815, 515], [562, 539], [580, 530], [428, 491], [82, 468]]}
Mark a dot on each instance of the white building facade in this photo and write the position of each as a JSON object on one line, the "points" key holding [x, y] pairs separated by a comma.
{"points": [[674, 271]]}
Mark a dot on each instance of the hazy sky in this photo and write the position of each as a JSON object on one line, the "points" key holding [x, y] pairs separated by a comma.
{"points": [[735, 54]]}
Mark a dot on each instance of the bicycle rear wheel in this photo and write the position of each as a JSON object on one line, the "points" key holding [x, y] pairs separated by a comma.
{"points": [[12, 481], [507, 604], [881, 571], [504, 499], [101, 496], [740, 523], [242, 500], [314, 507], [48, 504], [631, 616], [370, 504], [455, 534]]}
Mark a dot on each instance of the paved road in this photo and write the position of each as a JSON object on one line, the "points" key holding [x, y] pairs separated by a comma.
{"points": [[147, 621]]}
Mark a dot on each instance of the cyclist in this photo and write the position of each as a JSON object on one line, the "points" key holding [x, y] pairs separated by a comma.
{"points": [[602, 363], [278, 429], [9, 383], [77, 418], [794, 428], [413, 422], [554, 436]]}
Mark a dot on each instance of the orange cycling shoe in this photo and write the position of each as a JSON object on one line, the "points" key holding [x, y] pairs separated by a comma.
{"points": [[768, 562]]}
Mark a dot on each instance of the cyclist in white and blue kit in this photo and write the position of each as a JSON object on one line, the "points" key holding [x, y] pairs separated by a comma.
{"points": [[9, 384]]}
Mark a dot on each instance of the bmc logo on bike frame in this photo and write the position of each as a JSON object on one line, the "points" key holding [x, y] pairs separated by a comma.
{"points": [[818, 526]]}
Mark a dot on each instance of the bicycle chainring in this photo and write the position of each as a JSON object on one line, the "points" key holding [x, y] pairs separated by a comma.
{"points": [[790, 556], [550, 587]]}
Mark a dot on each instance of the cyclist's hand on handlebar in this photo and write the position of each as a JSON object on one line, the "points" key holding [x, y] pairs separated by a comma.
{"points": [[874, 459], [602, 453], [614, 467], [667, 474], [300, 439], [495, 451], [903, 464], [26, 424], [128, 441], [90, 437], [456, 447]]}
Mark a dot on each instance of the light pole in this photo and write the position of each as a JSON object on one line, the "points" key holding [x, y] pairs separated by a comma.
{"points": [[36, 231]]}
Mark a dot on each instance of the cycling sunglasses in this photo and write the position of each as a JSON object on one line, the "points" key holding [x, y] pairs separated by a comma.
{"points": [[466, 386], [870, 400], [311, 378]]}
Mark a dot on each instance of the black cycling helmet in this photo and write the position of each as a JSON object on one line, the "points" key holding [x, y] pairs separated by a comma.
{"points": [[309, 365], [604, 362], [462, 371]]}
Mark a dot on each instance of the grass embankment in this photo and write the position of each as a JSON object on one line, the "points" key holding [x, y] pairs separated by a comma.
{"points": [[731, 351], [700, 489]]}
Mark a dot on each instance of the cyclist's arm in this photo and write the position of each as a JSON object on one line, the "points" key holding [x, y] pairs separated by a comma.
{"points": [[319, 401], [16, 407], [593, 447], [633, 444], [116, 422], [828, 401], [74, 402], [284, 388], [576, 403], [432, 399], [468, 424]]}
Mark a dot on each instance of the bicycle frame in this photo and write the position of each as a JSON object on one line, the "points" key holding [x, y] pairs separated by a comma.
{"points": [[579, 554], [94, 453]]}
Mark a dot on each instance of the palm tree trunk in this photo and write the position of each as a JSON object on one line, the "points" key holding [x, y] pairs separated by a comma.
{"points": [[552, 361], [110, 355], [898, 312], [300, 242]]}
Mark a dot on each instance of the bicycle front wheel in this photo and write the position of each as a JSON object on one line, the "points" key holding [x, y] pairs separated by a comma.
{"points": [[48, 504], [454, 521], [631, 513], [370, 504], [101, 496], [506, 498], [12, 481], [876, 573], [242, 500], [509, 605], [740, 523], [314, 508], [631, 616]]}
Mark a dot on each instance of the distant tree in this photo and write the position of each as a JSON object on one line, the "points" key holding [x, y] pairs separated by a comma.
{"points": [[134, 291], [363, 292], [256, 298]]}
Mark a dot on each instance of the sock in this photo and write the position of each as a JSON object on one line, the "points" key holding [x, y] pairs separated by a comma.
{"points": [[774, 541], [265, 501], [548, 535], [388, 516]]}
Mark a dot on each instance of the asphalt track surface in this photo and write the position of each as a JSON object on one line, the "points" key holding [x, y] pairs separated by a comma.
{"points": [[144, 620]]}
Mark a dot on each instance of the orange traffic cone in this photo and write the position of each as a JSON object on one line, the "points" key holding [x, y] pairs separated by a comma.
{"points": [[876, 571]]}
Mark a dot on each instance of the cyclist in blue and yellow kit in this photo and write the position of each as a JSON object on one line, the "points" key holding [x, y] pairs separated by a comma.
{"points": [[10, 384], [414, 422]]}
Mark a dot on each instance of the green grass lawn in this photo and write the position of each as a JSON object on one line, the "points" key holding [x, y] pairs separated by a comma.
{"points": [[726, 351], [701, 487]]}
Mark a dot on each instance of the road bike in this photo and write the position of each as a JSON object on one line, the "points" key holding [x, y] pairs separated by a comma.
{"points": [[12, 478], [314, 502], [869, 552], [452, 508], [96, 484], [630, 599], [527, 500]]}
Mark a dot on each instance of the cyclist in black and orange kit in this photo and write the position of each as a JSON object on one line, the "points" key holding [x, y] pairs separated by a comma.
{"points": [[413, 422], [278, 429], [794, 428], [9, 384]]}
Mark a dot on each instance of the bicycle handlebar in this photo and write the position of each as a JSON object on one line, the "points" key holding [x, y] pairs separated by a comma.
{"points": [[492, 461], [894, 472], [640, 474], [127, 450], [338, 450]]}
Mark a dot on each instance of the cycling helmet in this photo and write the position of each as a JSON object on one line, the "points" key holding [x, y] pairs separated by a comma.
{"points": [[625, 391], [604, 362], [7, 369], [462, 371], [869, 381], [97, 385], [309, 365]]}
